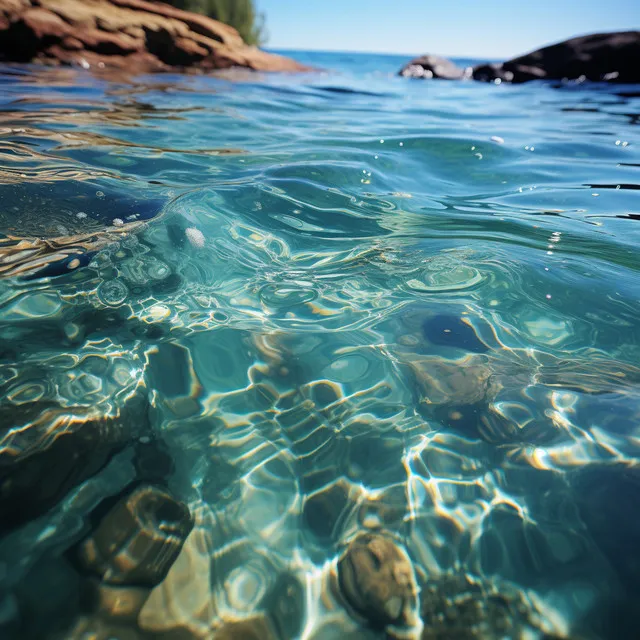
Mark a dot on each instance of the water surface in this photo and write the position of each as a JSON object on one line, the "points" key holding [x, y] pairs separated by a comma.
{"points": [[293, 309]]}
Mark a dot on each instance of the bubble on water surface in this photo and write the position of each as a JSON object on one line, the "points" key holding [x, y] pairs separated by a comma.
{"points": [[112, 292]]}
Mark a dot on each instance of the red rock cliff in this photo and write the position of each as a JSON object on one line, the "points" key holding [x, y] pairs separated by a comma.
{"points": [[136, 35]]}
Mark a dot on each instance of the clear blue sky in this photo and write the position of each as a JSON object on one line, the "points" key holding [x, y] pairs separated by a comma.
{"points": [[475, 28]]}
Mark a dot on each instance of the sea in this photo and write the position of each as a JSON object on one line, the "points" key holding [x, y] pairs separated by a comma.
{"points": [[336, 355]]}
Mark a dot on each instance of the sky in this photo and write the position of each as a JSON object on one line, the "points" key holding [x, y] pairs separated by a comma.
{"points": [[472, 28]]}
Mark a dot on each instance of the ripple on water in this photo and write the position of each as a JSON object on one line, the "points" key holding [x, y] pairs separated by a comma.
{"points": [[112, 292], [373, 340]]}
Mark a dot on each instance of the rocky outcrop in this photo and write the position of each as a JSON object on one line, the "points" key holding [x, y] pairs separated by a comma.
{"points": [[430, 66], [600, 57], [135, 35]]}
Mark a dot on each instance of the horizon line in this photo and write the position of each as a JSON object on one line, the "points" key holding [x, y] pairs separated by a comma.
{"points": [[448, 55], [368, 51]]}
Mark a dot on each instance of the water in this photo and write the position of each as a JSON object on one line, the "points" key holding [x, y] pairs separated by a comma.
{"points": [[330, 356]]}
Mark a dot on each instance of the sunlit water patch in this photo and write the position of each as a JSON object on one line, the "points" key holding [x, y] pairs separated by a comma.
{"points": [[317, 357]]}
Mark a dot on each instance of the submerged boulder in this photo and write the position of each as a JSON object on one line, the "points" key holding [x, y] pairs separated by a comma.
{"points": [[377, 581], [139, 539], [134, 35], [47, 449]]}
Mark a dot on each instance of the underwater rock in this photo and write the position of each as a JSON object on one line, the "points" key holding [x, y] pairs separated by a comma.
{"points": [[254, 628], [46, 600], [323, 509], [134, 35], [376, 579], [453, 331], [78, 444], [608, 500], [182, 603], [384, 508], [139, 539], [430, 66], [117, 603], [98, 628], [466, 381], [456, 607]]}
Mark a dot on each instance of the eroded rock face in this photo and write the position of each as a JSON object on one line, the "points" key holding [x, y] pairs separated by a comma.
{"points": [[139, 539], [135, 35], [599, 57], [376, 578]]}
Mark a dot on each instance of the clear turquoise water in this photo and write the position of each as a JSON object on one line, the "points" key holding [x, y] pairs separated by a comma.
{"points": [[337, 302]]}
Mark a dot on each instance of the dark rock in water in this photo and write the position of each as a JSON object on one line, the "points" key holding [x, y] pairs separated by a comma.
{"points": [[153, 461], [453, 331], [117, 604], [52, 229], [608, 499], [322, 509], [139, 539], [430, 66], [80, 444], [376, 578], [47, 600], [68, 207], [600, 57]]}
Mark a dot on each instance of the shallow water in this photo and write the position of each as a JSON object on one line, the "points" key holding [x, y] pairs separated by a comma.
{"points": [[306, 307]]}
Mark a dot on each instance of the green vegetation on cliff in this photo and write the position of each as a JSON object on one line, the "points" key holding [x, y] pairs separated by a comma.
{"points": [[240, 14]]}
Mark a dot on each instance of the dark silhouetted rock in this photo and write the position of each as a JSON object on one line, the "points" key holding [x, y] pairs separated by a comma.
{"points": [[376, 578], [608, 500], [322, 509], [600, 57], [433, 67], [139, 539], [134, 35], [79, 444]]}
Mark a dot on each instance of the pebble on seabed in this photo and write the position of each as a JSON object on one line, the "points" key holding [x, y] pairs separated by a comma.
{"points": [[376, 578], [139, 539]]}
